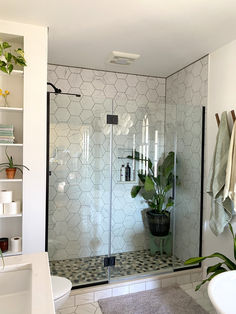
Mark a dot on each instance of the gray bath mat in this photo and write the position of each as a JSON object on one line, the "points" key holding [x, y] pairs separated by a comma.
{"points": [[170, 300]]}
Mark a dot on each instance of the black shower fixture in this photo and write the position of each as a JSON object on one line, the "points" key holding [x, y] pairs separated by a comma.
{"points": [[58, 90]]}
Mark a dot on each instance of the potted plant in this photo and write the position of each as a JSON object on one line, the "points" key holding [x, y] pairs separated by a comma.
{"points": [[224, 265], [9, 59], [155, 191], [10, 167]]}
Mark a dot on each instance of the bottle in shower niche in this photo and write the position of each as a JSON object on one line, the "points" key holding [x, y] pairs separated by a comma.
{"points": [[122, 173], [127, 172]]}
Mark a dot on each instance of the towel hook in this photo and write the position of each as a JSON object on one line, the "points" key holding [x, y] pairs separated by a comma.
{"points": [[233, 115], [217, 119]]}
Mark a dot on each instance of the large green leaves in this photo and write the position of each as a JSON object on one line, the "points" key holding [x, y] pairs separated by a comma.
{"points": [[227, 261], [149, 184], [135, 190]]}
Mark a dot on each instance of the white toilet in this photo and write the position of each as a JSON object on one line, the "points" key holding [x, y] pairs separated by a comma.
{"points": [[61, 288]]}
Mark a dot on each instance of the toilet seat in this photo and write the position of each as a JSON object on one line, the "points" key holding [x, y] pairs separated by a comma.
{"points": [[60, 287]]}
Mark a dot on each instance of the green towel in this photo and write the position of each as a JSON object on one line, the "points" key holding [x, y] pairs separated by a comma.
{"points": [[221, 211]]}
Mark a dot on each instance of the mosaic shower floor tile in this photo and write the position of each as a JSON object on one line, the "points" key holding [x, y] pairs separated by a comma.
{"points": [[88, 270]]}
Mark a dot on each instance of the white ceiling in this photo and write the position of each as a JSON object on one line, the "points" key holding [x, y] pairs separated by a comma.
{"points": [[168, 34]]}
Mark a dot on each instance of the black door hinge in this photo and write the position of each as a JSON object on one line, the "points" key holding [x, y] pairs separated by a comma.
{"points": [[109, 261], [112, 119]]}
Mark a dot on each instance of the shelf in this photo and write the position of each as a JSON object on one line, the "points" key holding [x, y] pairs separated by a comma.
{"points": [[11, 109], [11, 144], [126, 182], [13, 73], [10, 253], [10, 216], [11, 180]]}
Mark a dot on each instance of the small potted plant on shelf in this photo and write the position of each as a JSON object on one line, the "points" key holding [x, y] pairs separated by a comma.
{"points": [[9, 59], [10, 167], [155, 191]]}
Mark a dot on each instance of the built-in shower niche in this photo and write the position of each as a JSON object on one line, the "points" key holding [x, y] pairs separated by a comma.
{"points": [[124, 160]]}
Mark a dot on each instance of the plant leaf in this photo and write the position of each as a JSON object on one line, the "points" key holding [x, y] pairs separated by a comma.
{"points": [[149, 184], [135, 190], [227, 261], [217, 272], [5, 45]]}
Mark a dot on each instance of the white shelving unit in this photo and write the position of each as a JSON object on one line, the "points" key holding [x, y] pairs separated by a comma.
{"points": [[11, 225]]}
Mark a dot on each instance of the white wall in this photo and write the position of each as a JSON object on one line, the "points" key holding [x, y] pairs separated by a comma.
{"points": [[221, 97], [34, 137]]}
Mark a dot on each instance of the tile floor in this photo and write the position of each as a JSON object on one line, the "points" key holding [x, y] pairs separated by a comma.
{"points": [[90, 269], [200, 297]]}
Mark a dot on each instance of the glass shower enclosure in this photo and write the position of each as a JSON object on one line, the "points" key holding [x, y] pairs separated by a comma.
{"points": [[96, 232]]}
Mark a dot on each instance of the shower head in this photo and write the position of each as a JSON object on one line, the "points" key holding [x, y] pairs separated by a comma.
{"points": [[56, 90]]}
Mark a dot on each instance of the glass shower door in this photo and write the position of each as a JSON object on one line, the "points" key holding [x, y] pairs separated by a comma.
{"points": [[140, 132], [79, 188]]}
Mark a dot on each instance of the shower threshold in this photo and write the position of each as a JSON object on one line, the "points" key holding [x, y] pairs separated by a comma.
{"points": [[90, 270]]}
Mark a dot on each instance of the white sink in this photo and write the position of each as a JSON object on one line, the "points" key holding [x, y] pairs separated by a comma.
{"points": [[222, 292], [15, 290]]}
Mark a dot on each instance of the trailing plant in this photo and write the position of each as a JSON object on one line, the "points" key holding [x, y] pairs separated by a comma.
{"points": [[10, 164], [9, 59], [154, 188], [225, 265]]}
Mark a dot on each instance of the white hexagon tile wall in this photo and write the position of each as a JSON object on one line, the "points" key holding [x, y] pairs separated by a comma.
{"points": [[79, 159], [186, 93]]}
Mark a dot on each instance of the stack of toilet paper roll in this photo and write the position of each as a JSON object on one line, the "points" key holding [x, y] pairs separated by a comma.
{"points": [[7, 205], [16, 244]]}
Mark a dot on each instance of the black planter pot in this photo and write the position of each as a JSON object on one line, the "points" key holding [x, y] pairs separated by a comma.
{"points": [[159, 224]]}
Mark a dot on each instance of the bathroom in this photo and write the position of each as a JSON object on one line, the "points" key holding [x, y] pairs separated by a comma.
{"points": [[97, 124]]}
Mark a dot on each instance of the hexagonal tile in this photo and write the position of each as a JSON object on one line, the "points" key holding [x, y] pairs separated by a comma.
{"points": [[87, 75], [98, 96], [131, 93], [121, 85], [132, 80], [60, 214], [196, 84], [99, 83], [197, 68], [141, 100], [152, 82], [62, 129], [86, 116], [75, 108], [110, 91], [75, 80], [52, 78], [62, 142], [110, 77], [63, 85], [75, 137], [151, 95], [52, 193], [98, 138], [120, 99], [61, 200], [142, 88], [73, 192], [131, 106], [87, 88], [74, 151], [62, 72], [188, 138], [62, 115], [74, 123]]}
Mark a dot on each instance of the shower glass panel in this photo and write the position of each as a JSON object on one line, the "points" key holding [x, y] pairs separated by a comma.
{"points": [[188, 212], [79, 188], [141, 130]]}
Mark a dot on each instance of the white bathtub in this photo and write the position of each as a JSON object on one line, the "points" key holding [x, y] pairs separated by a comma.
{"points": [[15, 290]]}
